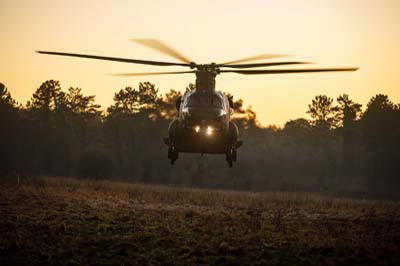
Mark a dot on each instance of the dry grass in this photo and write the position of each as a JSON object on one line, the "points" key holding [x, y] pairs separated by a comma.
{"points": [[63, 221]]}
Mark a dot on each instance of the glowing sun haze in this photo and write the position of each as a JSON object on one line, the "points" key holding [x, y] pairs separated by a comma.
{"points": [[341, 33]]}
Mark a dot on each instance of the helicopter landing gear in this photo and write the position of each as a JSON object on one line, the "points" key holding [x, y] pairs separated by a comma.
{"points": [[231, 156], [173, 154], [234, 155], [229, 159]]}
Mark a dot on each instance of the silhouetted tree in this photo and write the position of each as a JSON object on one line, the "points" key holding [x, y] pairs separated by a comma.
{"points": [[10, 123], [381, 136], [132, 101], [130, 129], [244, 118], [48, 97], [347, 112], [299, 125], [80, 104], [321, 111], [84, 128], [46, 121], [5, 97], [169, 110]]}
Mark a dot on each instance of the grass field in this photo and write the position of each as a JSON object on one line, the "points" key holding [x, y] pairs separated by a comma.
{"points": [[61, 221]]}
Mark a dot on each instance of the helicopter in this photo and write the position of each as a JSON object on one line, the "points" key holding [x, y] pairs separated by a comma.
{"points": [[204, 124]]}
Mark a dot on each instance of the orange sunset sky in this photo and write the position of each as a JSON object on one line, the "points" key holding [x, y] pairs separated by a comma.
{"points": [[336, 33]]}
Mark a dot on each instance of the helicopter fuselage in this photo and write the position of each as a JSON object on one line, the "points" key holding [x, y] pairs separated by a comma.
{"points": [[204, 123]]}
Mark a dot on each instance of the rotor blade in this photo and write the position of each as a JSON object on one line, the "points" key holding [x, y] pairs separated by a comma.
{"points": [[284, 71], [124, 60], [263, 64], [254, 58], [151, 73], [163, 48]]}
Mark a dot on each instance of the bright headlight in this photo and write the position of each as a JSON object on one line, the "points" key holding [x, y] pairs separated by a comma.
{"points": [[197, 129], [209, 130]]}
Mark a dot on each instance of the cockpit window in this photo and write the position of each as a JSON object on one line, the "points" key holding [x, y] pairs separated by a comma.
{"points": [[203, 101], [197, 100]]}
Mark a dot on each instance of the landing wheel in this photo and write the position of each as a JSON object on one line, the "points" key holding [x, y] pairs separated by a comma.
{"points": [[229, 158], [234, 155], [173, 154]]}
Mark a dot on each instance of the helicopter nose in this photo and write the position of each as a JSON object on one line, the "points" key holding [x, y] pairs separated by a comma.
{"points": [[204, 120]]}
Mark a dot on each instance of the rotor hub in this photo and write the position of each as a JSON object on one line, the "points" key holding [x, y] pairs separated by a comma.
{"points": [[208, 68]]}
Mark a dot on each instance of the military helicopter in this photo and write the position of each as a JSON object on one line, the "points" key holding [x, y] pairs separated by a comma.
{"points": [[204, 123]]}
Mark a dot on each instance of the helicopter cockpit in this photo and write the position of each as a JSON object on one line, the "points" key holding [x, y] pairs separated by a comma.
{"points": [[208, 111], [207, 101]]}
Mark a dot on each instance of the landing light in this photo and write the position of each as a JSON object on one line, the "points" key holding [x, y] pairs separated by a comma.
{"points": [[209, 131]]}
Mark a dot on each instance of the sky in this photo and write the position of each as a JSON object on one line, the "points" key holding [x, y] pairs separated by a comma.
{"points": [[335, 33]]}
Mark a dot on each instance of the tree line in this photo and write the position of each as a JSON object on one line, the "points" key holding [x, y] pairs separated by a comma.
{"points": [[340, 149]]}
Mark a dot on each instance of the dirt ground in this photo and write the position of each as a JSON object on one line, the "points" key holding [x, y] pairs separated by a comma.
{"points": [[61, 221]]}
